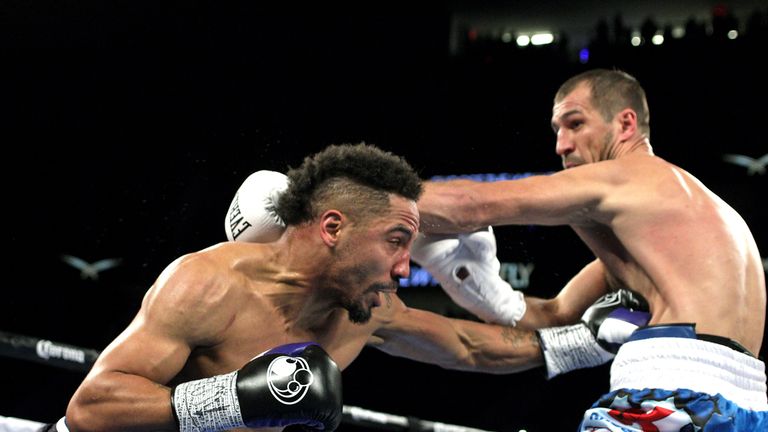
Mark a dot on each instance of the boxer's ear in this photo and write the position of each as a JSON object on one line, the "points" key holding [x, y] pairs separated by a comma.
{"points": [[331, 223], [627, 119]]}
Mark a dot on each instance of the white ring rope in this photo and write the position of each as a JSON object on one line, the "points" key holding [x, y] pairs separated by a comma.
{"points": [[81, 359]]}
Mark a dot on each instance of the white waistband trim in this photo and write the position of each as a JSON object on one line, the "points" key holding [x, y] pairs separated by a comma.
{"points": [[701, 366]]}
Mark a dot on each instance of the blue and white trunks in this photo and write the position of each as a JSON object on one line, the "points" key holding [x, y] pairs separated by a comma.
{"points": [[682, 384]]}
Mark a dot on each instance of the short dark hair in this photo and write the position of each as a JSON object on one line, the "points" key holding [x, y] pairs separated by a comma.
{"points": [[355, 178], [612, 91]]}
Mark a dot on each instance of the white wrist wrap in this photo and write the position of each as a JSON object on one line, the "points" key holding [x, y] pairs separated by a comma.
{"points": [[569, 348], [208, 404]]}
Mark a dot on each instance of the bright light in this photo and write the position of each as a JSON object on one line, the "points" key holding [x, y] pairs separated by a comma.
{"points": [[657, 39], [584, 55], [678, 32], [542, 38], [523, 40], [636, 40], [733, 34]]}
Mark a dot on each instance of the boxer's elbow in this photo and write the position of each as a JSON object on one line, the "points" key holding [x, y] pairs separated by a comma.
{"points": [[80, 416], [87, 410]]}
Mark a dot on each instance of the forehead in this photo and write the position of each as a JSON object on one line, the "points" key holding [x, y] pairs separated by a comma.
{"points": [[577, 101], [403, 212]]}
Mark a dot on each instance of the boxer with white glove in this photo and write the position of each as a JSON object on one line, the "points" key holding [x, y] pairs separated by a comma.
{"points": [[293, 384], [251, 216], [604, 327], [466, 267]]}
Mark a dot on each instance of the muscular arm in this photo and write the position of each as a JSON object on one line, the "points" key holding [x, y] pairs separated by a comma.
{"points": [[455, 344], [570, 303], [563, 198], [126, 389]]}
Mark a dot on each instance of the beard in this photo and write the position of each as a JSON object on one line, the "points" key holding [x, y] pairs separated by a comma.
{"points": [[358, 309], [358, 313]]}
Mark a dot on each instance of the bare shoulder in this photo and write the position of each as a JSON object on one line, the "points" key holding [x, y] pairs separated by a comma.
{"points": [[197, 294], [659, 176], [627, 168], [649, 186], [631, 172], [190, 277]]}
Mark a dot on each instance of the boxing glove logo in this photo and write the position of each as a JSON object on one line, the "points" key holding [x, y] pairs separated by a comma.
{"points": [[289, 379]]}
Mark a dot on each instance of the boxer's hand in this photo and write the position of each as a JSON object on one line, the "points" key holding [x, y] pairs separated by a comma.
{"points": [[605, 326], [295, 384], [614, 316], [251, 216], [466, 267]]}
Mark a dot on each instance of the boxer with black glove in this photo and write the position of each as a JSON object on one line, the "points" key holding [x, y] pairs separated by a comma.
{"points": [[467, 269], [604, 327], [294, 384]]}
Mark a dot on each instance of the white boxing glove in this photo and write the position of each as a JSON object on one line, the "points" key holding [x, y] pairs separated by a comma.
{"points": [[251, 216], [466, 267]]}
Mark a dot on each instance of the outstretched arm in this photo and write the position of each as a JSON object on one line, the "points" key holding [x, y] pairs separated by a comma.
{"points": [[480, 347], [567, 197], [453, 343], [570, 303]]}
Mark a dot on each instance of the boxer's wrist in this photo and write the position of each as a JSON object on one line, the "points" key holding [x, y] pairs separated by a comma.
{"points": [[209, 404], [569, 348]]}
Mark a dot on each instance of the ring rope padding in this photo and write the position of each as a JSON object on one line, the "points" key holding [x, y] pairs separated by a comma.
{"points": [[80, 359]]}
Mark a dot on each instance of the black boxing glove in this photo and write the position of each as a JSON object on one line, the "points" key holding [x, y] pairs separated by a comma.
{"points": [[605, 326], [614, 316], [293, 384]]}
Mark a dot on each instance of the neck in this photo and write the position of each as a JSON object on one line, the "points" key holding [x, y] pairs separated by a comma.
{"points": [[302, 309], [297, 290], [637, 145]]}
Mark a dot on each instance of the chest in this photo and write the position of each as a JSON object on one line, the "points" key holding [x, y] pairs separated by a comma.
{"points": [[253, 333]]}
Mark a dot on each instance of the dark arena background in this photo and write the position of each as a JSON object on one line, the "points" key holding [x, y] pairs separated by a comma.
{"points": [[129, 126]]}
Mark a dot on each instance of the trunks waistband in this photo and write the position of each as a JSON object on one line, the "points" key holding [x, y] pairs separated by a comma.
{"points": [[687, 331]]}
